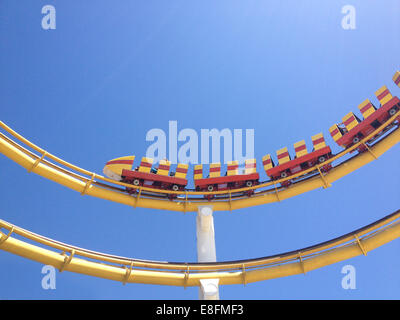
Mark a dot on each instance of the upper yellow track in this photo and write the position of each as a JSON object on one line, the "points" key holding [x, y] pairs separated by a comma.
{"points": [[123, 269], [92, 184]]}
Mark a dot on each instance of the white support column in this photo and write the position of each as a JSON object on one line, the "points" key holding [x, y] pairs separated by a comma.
{"points": [[209, 289], [206, 250]]}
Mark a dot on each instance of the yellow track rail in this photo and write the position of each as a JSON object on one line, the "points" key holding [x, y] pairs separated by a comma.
{"points": [[74, 259], [92, 184]]}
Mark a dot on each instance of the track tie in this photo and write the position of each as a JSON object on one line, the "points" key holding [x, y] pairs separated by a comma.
{"points": [[67, 260], [302, 263], [88, 183], [244, 274], [360, 245], [38, 160], [127, 273], [2, 240]]}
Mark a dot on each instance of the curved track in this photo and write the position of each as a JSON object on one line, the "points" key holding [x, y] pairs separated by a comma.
{"points": [[74, 259], [41, 162]]}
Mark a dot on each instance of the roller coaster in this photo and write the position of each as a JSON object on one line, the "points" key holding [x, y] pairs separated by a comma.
{"points": [[363, 141]]}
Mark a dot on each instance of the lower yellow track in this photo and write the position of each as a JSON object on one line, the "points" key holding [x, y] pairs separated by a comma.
{"points": [[74, 259], [89, 183]]}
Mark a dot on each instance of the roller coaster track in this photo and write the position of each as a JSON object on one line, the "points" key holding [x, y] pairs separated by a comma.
{"points": [[79, 260], [127, 270], [53, 168]]}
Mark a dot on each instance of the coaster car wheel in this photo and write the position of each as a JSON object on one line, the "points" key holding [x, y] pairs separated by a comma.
{"points": [[392, 111]]}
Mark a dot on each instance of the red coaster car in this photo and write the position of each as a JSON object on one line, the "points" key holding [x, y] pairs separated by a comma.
{"points": [[352, 130], [302, 161], [231, 181], [121, 169]]}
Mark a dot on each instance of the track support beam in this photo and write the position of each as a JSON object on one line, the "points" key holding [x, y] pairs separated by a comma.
{"points": [[209, 289], [206, 250]]}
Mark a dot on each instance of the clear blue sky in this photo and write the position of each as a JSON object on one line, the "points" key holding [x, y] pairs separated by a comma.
{"points": [[89, 91]]}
